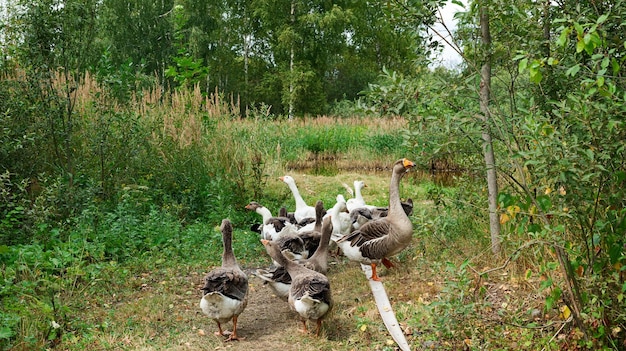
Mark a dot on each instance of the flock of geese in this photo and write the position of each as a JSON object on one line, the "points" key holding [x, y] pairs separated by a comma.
{"points": [[299, 244]]}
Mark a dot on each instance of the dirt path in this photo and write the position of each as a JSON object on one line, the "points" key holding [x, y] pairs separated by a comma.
{"points": [[265, 316], [268, 324]]}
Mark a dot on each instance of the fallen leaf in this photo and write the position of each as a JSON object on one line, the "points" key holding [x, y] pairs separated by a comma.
{"points": [[615, 331], [201, 332], [565, 312], [363, 327]]}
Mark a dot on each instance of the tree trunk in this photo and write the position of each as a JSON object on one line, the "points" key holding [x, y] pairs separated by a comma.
{"points": [[291, 77], [490, 160], [246, 92]]}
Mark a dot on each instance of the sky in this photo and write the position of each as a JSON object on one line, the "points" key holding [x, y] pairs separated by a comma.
{"points": [[448, 57]]}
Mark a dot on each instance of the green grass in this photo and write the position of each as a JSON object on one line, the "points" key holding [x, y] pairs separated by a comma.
{"points": [[146, 297], [124, 273]]}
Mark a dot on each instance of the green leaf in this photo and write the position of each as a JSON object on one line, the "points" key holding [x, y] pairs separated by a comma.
{"points": [[6, 333], [545, 284], [579, 29], [602, 18], [523, 64], [605, 62], [615, 65], [535, 75], [519, 57], [573, 70], [505, 200], [544, 202], [563, 38]]}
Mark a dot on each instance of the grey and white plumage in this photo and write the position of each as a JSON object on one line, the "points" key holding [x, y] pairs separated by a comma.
{"points": [[357, 200], [362, 215], [309, 293], [313, 235], [273, 226], [279, 279], [225, 290], [319, 260], [379, 239]]}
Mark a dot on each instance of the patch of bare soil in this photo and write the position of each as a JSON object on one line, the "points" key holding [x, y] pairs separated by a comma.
{"points": [[263, 323], [268, 323]]}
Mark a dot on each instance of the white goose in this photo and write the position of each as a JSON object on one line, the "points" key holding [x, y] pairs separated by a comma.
{"points": [[357, 201], [225, 290], [302, 209], [378, 239], [342, 224], [272, 227]]}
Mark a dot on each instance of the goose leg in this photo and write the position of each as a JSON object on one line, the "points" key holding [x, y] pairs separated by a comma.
{"points": [[374, 275], [387, 263], [304, 330], [319, 326], [220, 332], [233, 335]]}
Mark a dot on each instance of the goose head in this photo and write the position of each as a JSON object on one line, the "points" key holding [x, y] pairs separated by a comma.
{"points": [[252, 206], [287, 179]]}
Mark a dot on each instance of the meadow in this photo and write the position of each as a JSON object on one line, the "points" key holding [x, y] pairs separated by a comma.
{"points": [[125, 274]]}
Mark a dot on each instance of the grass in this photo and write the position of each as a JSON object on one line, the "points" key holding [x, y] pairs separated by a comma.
{"points": [[149, 302], [125, 275]]}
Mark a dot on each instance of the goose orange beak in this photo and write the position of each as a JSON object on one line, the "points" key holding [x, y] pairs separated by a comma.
{"points": [[407, 163], [264, 242]]}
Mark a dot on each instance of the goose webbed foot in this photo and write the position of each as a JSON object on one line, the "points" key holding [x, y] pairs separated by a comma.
{"points": [[374, 275]]}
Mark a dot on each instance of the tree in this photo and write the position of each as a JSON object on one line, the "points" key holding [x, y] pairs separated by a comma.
{"points": [[56, 50], [557, 87], [139, 32], [484, 97]]}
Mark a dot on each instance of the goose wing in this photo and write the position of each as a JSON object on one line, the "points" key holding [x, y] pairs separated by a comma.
{"points": [[277, 274], [316, 286], [370, 231], [228, 282]]}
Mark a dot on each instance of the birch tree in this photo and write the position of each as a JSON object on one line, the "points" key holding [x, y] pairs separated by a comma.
{"points": [[490, 160]]}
